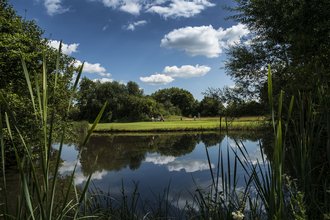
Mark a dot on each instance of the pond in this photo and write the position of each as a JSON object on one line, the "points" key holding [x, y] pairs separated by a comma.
{"points": [[163, 164]]}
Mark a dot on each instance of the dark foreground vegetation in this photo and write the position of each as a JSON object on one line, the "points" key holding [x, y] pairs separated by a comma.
{"points": [[291, 36]]}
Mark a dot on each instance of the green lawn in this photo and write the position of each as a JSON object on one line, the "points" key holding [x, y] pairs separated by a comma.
{"points": [[187, 124]]}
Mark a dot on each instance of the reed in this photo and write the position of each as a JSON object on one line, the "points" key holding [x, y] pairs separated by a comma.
{"points": [[39, 177]]}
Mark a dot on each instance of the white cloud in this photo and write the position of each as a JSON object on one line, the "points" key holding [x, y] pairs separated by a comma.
{"points": [[54, 7], [186, 71], [157, 79], [165, 8], [103, 80], [159, 160], [232, 35], [189, 166], [131, 7], [180, 8], [204, 40], [171, 72], [111, 3], [96, 68], [105, 74], [133, 25], [67, 49]]}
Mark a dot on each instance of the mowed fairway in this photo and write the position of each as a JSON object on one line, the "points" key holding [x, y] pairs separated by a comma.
{"points": [[187, 124]]}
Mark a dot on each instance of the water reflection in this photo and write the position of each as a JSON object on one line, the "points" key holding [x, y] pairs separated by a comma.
{"points": [[115, 152], [155, 161]]}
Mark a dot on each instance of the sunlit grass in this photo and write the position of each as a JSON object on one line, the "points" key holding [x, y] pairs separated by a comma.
{"points": [[187, 124]]}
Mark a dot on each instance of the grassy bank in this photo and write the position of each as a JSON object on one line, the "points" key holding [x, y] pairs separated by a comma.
{"points": [[186, 124]]}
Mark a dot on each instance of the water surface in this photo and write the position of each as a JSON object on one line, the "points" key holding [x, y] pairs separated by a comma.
{"points": [[155, 162]]}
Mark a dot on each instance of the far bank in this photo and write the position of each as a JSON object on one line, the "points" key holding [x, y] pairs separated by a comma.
{"points": [[186, 124]]}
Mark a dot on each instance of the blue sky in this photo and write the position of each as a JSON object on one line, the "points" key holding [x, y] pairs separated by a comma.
{"points": [[158, 44]]}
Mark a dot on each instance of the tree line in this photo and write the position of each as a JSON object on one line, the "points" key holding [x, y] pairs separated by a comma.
{"points": [[127, 102]]}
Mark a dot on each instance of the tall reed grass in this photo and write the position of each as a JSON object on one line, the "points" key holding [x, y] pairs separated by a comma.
{"points": [[39, 188], [268, 192]]}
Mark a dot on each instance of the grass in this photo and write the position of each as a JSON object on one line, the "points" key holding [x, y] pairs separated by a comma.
{"points": [[187, 124]]}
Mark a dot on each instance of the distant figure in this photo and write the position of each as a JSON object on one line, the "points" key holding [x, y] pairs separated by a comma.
{"points": [[195, 118], [152, 119], [181, 118]]}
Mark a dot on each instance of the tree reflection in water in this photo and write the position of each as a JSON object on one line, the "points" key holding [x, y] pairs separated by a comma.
{"points": [[115, 152]]}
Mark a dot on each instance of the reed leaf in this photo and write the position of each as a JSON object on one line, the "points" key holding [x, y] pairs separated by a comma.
{"points": [[57, 67], [3, 167], [28, 81]]}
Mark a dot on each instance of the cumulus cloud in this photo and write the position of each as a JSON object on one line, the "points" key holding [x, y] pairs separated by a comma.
{"points": [[131, 7], [67, 49], [91, 67], [164, 8], [204, 40], [186, 71], [172, 72], [95, 68], [157, 79], [54, 7], [132, 26], [103, 80], [189, 166], [180, 8], [111, 3]]}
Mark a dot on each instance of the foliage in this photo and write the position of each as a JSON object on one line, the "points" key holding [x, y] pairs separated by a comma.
{"points": [[22, 39], [126, 102], [292, 36], [237, 104], [211, 107], [178, 98], [39, 173]]}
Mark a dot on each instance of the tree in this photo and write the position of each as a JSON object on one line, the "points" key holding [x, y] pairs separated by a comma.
{"points": [[134, 89], [22, 40], [177, 97], [210, 107], [291, 36], [126, 102], [237, 104]]}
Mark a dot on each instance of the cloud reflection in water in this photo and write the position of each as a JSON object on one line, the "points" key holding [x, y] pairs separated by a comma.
{"points": [[172, 164]]}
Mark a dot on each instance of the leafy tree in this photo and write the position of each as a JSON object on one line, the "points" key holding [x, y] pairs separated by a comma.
{"points": [[292, 36], [22, 40], [134, 89], [177, 97], [210, 107], [126, 102], [237, 104]]}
